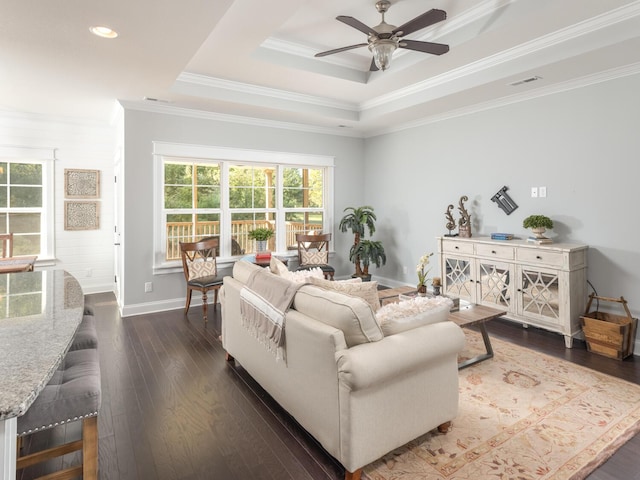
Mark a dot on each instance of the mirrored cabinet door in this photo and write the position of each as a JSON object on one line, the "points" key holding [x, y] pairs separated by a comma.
{"points": [[458, 278], [495, 284], [540, 293]]}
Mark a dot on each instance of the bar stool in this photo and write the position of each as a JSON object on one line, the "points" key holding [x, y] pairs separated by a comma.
{"points": [[72, 394], [86, 335]]}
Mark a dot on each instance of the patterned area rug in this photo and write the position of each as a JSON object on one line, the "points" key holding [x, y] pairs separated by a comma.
{"points": [[523, 415]]}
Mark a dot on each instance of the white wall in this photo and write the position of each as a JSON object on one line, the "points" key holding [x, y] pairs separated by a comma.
{"points": [[582, 145], [88, 255], [143, 128]]}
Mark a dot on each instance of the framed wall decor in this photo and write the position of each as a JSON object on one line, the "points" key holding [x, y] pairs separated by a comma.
{"points": [[80, 183], [81, 215]]}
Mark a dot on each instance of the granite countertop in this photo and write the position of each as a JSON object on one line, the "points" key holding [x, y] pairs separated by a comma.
{"points": [[39, 314]]}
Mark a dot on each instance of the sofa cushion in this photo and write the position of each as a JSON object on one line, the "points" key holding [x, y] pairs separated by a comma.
{"points": [[350, 314], [304, 276], [365, 290], [398, 317], [243, 269], [277, 266]]}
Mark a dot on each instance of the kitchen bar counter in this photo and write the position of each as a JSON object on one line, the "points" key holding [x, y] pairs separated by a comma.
{"points": [[39, 314]]}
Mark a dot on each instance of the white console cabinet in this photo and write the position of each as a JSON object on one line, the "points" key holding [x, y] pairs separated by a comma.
{"points": [[541, 285]]}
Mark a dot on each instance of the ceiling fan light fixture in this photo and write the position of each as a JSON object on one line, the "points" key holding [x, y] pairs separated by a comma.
{"points": [[383, 51]]}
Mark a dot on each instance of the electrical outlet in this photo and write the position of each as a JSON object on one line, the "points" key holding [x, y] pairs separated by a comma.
{"points": [[534, 192], [405, 270], [89, 272], [542, 191], [148, 287]]}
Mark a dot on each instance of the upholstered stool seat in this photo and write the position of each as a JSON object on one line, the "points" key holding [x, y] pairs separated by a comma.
{"points": [[73, 393], [86, 335]]}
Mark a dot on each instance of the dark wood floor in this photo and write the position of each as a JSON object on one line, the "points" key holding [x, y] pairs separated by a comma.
{"points": [[173, 408]]}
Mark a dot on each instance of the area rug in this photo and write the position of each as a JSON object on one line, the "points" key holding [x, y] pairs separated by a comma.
{"points": [[523, 415]]}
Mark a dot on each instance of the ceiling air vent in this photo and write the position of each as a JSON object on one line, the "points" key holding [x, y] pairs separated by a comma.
{"points": [[525, 80]]}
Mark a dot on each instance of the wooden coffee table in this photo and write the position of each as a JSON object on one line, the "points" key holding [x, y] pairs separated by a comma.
{"points": [[476, 315], [390, 295]]}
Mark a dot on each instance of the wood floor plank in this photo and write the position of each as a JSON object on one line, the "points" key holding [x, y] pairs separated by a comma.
{"points": [[173, 408]]}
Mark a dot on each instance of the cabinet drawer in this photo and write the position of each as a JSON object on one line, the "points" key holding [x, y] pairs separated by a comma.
{"points": [[502, 252], [540, 257], [451, 246]]}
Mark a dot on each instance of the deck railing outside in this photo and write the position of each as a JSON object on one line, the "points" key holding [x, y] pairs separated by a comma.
{"points": [[184, 232]]}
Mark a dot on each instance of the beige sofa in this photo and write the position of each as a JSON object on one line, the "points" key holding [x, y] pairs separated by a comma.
{"points": [[360, 394]]}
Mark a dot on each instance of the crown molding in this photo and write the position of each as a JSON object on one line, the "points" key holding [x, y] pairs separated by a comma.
{"points": [[608, 75], [596, 23], [249, 89], [223, 117], [585, 81]]}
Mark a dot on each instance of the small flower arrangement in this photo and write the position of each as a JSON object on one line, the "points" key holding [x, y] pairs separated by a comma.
{"points": [[422, 270]]}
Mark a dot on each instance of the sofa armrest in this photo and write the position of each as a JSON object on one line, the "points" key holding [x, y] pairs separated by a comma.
{"points": [[374, 363]]}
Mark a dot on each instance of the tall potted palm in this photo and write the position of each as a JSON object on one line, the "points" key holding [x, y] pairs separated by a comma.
{"points": [[363, 252]]}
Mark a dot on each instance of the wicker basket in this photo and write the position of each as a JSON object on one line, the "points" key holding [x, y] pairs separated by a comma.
{"points": [[608, 334]]}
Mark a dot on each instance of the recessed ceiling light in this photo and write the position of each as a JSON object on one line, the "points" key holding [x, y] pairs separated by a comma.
{"points": [[104, 32]]}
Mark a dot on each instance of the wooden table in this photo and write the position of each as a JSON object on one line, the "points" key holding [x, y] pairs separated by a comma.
{"points": [[476, 315], [34, 337], [17, 264], [266, 262], [390, 295]]}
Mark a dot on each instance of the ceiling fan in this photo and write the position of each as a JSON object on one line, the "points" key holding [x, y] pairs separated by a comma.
{"points": [[384, 38]]}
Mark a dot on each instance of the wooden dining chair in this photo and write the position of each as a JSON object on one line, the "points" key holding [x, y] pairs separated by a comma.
{"points": [[313, 251], [6, 243], [200, 270]]}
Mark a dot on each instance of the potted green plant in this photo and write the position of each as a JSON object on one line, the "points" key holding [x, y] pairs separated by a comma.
{"points": [[538, 224], [363, 252], [261, 235]]}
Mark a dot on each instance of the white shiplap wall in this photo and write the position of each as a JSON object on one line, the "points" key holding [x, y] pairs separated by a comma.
{"points": [[88, 255]]}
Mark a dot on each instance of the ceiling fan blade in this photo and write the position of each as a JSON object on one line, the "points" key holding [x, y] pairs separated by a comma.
{"points": [[373, 67], [421, 21], [357, 24], [426, 47], [338, 50]]}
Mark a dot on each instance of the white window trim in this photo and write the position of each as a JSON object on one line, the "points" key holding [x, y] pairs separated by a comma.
{"points": [[47, 157], [218, 154]]}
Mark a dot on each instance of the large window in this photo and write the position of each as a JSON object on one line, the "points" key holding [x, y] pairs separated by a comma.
{"points": [[228, 193], [191, 202], [26, 201]]}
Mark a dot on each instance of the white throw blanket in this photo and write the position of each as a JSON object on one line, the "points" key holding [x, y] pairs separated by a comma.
{"points": [[264, 301]]}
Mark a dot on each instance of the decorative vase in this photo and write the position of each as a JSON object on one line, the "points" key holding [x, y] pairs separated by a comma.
{"points": [[261, 245], [422, 290], [538, 232]]}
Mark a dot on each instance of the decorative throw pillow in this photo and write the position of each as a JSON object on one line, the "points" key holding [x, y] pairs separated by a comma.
{"points": [[277, 267], [202, 269], [399, 317], [365, 290], [314, 258], [303, 276]]}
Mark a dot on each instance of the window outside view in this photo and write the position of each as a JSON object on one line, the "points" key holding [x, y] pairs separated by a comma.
{"points": [[285, 199], [21, 194]]}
